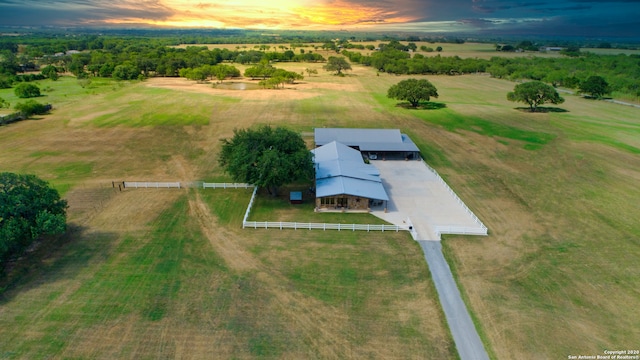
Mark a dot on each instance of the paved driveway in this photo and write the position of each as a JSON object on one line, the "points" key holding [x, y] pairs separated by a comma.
{"points": [[417, 194], [418, 197]]}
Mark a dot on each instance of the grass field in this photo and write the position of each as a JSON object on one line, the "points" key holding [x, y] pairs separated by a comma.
{"points": [[170, 273]]}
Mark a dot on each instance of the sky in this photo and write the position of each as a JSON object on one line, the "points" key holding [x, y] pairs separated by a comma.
{"points": [[584, 18]]}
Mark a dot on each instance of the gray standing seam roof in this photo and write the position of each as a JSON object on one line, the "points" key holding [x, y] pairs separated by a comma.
{"points": [[341, 170], [366, 139]]}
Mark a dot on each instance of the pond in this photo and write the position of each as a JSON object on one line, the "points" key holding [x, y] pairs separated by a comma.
{"points": [[237, 86]]}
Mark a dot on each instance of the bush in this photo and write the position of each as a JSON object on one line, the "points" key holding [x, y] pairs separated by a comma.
{"points": [[32, 107], [26, 90]]}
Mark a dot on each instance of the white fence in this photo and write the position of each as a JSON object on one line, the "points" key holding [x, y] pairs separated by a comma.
{"points": [[321, 226], [246, 213], [458, 230], [311, 226], [156, 185], [226, 186], [178, 185]]}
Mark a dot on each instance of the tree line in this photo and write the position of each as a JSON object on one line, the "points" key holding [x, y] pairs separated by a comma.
{"points": [[621, 72], [131, 57]]}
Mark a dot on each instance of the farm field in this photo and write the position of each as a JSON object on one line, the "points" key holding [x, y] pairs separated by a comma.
{"points": [[170, 273]]}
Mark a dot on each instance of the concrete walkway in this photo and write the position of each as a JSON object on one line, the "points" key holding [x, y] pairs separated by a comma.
{"points": [[418, 198]]}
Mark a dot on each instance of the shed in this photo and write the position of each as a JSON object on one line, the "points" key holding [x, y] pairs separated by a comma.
{"points": [[295, 197]]}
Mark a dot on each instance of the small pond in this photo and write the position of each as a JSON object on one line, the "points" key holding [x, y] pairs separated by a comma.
{"points": [[237, 86]]}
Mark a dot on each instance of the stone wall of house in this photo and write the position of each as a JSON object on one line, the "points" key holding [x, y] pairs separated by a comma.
{"points": [[335, 203]]}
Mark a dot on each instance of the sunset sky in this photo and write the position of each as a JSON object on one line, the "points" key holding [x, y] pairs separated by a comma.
{"points": [[599, 18]]}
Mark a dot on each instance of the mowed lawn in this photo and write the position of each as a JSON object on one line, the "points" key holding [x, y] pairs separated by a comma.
{"points": [[170, 273]]}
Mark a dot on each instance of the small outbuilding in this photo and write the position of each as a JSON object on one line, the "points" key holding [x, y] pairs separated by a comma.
{"points": [[295, 197]]}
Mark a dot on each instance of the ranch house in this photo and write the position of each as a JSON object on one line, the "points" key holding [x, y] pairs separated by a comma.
{"points": [[344, 182]]}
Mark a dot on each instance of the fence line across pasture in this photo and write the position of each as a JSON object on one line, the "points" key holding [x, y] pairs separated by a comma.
{"points": [[246, 224], [226, 186], [148, 184], [180, 185]]}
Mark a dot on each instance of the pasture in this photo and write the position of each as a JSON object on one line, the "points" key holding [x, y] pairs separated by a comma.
{"points": [[170, 273]]}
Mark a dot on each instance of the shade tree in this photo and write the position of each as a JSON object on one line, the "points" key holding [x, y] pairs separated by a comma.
{"points": [[595, 86], [413, 90], [266, 157], [535, 93], [337, 64]]}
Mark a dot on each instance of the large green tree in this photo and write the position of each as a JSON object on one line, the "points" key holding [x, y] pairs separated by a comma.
{"points": [[266, 157], [535, 93], [413, 91], [337, 64], [595, 86], [29, 208]]}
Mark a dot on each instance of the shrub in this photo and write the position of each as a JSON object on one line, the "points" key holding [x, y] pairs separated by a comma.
{"points": [[26, 90]]}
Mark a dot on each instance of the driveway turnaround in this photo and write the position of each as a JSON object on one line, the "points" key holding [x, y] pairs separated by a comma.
{"points": [[418, 198]]}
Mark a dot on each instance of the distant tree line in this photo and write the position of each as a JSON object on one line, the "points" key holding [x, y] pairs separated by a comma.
{"points": [[137, 54], [621, 72]]}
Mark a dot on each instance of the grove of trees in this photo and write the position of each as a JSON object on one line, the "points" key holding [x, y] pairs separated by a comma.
{"points": [[413, 90], [138, 54], [266, 157], [534, 93], [29, 209]]}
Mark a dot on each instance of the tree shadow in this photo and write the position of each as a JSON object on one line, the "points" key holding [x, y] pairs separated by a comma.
{"points": [[591, 97], [429, 105], [53, 259], [542, 110]]}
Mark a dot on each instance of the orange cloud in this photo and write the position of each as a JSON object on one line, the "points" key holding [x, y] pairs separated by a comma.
{"points": [[275, 14], [343, 13]]}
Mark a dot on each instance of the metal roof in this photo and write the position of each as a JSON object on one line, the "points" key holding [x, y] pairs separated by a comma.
{"points": [[366, 139], [341, 170]]}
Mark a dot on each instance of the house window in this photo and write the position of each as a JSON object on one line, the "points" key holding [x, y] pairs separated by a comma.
{"points": [[327, 201], [343, 201]]}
